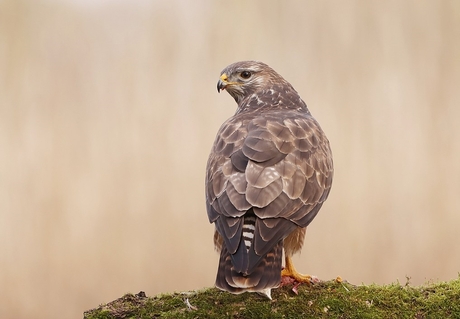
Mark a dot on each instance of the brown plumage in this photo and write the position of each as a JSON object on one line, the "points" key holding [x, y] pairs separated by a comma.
{"points": [[269, 171]]}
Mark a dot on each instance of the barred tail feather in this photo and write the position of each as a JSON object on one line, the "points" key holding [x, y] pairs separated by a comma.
{"points": [[266, 275]]}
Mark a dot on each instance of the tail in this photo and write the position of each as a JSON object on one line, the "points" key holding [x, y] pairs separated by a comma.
{"points": [[263, 277]]}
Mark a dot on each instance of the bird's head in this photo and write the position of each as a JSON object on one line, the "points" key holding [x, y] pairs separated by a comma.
{"points": [[244, 78]]}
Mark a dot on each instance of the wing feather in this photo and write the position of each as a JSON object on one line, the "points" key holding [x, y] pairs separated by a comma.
{"points": [[260, 176], [287, 168]]}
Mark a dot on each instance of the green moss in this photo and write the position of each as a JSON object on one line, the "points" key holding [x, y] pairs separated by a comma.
{"points": [[330, 299]]}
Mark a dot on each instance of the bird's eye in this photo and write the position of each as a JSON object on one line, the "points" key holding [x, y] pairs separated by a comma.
{"points": [[245, 75]]}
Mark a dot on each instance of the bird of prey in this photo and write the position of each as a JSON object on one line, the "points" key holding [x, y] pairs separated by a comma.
{"points": [[269, 172]]}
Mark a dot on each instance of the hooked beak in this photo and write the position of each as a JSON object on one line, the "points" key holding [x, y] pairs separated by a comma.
{"points": [[222, 83]]}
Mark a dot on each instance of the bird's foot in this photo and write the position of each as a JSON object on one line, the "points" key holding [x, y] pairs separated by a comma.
{"points": [[290, 271], [298, 277]]}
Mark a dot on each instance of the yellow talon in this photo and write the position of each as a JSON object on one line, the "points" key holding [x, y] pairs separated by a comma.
{"points": [[290, 271]]}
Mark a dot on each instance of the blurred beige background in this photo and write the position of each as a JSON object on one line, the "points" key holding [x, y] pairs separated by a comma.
{"points": [[108, 110]]}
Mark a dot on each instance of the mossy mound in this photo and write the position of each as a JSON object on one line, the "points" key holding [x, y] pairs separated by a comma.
{"points": [[331, 299]]}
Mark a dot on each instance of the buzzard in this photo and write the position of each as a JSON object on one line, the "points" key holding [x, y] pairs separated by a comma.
{"points": [[269, 172]]}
